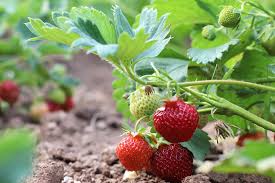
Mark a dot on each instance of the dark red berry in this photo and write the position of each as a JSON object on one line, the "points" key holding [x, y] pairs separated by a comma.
{"points": [[53, 106], [172, 162], [69, 104], [176, 121], [9, 91]]}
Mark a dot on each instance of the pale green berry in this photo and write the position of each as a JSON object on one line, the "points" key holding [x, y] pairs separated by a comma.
{"points": [[228, 17], [144, 102], [209, 32], [57, 95]]}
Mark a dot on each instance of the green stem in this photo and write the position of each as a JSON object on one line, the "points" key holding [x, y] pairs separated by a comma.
{"points": [[225, 82], [215, 100], [264, 80], [134, 77], [203, 82], [271, 14], [205, 110], [138, 122], [225, 104]]}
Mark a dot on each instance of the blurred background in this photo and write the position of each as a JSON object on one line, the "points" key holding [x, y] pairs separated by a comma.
{"points": [[72, 139]]}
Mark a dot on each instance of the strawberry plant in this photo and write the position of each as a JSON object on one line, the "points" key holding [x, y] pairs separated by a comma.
{"points": [[19, 62], [226, 72]]}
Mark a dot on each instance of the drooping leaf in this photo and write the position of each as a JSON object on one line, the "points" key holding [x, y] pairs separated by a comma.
{"points": [[223, 52], [176, 68], [199, 144], [210, 55]]}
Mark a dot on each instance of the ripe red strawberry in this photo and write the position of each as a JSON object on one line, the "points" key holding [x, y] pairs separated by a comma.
{"points": [[53, 106], [172, 162], [68, 105], [176, 121], [9, 91], [134, 152], [249, 136]]}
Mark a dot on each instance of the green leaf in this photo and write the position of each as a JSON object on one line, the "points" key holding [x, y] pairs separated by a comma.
{"points": [[182, 12], [210, 55], [250, 159], [130, 47], [53, 49], [213, 7], [198, 41], [176, 68], [199, 144], [223, 52], [101, 23], [49, 32], [121, 86], [16, 153], [254, 65], [121, 22]]}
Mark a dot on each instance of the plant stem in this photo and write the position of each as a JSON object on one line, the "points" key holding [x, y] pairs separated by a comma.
{"points": [[134, 77], [205, 110], [203, 82], [264, 80], [222, 103], [225, 82], [215, 100]]}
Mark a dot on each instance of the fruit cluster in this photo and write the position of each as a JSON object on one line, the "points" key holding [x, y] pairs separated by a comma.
{"points": [[175, 121], [59, 99], [56, 100], [9, 92]]}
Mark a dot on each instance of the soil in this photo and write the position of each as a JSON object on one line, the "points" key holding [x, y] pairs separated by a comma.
{"points": [[78, 147]]}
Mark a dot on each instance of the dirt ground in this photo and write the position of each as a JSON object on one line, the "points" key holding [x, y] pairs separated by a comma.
{"points": [[78, 147]]}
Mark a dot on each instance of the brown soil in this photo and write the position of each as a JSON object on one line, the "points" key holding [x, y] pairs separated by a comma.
{"points": [[78, 147]]}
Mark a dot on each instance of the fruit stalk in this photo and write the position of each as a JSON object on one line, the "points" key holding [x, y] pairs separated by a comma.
{"points": [[220, 102], [202, 82]]}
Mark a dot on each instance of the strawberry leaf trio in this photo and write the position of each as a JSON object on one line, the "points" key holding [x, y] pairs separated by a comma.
{"points": [[157, 149]]}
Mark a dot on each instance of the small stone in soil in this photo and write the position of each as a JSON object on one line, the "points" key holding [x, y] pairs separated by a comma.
{"points": [[86, 113], [200, 178], [64, 156]]}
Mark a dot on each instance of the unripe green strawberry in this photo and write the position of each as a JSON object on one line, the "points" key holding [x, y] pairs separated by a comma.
{"points": [[57, 96], [209, 32], [144, 102], [228, 17]]}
